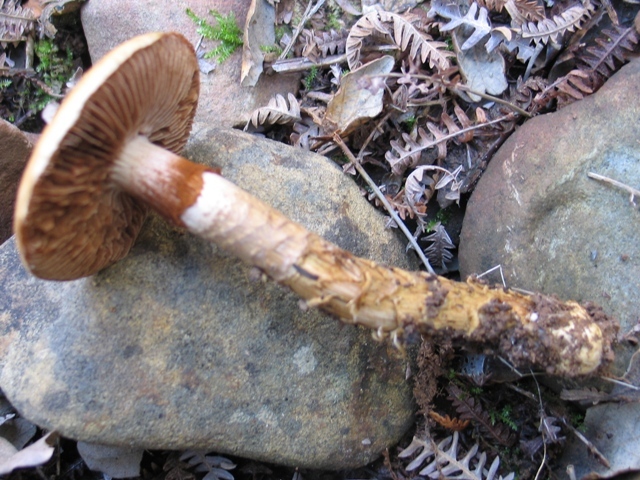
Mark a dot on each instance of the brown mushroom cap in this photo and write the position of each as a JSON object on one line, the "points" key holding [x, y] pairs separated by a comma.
{"points": [[71, 220]]}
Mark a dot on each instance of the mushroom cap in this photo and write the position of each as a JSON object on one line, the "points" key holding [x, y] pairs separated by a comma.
{"points": [[71, 220]]}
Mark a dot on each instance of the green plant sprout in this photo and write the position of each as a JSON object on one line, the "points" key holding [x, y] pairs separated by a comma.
{"points": [[311, 77], [409, 123], [270, 49], [505, 415], [441, 217], [56, 68], [226, 32], [333, 20]]}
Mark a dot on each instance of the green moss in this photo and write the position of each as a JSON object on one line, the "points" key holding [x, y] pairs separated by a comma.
{"points": [[226, 32]]}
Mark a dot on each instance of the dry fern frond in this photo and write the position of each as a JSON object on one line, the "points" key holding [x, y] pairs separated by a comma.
{"points": [[15, 22], [322, 44], [550, 29], [402, 156], [613, 45], [276, 112], [217, 467], [493, 5], [567, 89], [477, 20], [419, 188], [331, 43], [446, 464], [439, 252], [471, 409], [403, 33], [522, 11], [453, 424]]}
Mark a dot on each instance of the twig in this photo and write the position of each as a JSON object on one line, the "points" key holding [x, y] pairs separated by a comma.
{"points": [[621, 383], [521, 391], [308, 13], [542, 417], [632, 191], [493, 269], [590, 446], [301, 64], [385, 202], [377, 128], [464, 88], [452, 135]]}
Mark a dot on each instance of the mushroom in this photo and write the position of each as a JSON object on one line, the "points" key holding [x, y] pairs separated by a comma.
{"points": [[112, 151]]}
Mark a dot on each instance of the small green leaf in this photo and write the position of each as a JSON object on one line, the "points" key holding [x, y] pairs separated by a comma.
{"points": [[226, 31]]}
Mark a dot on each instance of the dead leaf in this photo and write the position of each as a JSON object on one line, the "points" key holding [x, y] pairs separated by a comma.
{"points": [[349, 8], [18, 431], [35, 454], [259, 30], [483, 71], [352, 105], [117, 462]]}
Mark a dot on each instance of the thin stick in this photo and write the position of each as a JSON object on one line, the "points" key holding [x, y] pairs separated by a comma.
{"points": [[634, 193], [542, 416], [464, 88], [385, 202], [620, 383], [590, 446], [450, 136], [310, 11]]}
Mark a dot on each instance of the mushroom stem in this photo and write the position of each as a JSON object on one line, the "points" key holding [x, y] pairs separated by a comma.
{"points": [[540, 331], [158, 177]]}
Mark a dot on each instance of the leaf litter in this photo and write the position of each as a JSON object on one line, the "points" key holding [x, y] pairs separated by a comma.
{"points": [[464, 75]]}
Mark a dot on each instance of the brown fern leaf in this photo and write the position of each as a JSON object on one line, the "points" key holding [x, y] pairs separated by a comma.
{"points": [[439, 252], [411, 153], [522, 11], [403, 33], [471, 409], [15, 22], [331, 43], [551, 29], [613, 45], [276, 112], [493, 5], [454, 424]]}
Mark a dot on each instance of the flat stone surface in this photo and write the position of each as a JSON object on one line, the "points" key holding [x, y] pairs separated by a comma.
{"points": [[536, 213], [175, 347], [15, 149], [223, 102]]}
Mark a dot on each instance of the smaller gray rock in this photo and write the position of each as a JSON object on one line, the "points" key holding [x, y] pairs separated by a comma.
{"points": [[553, 229], [15, 149], [175, 347]]}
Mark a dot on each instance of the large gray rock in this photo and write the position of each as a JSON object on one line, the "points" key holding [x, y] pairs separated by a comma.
{"points": [[223, 102], [175, 347], [552, 228], [15, 148]]}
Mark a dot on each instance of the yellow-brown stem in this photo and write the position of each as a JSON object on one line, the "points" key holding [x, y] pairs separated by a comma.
{"points": [[538, 331], [561, 337]]}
